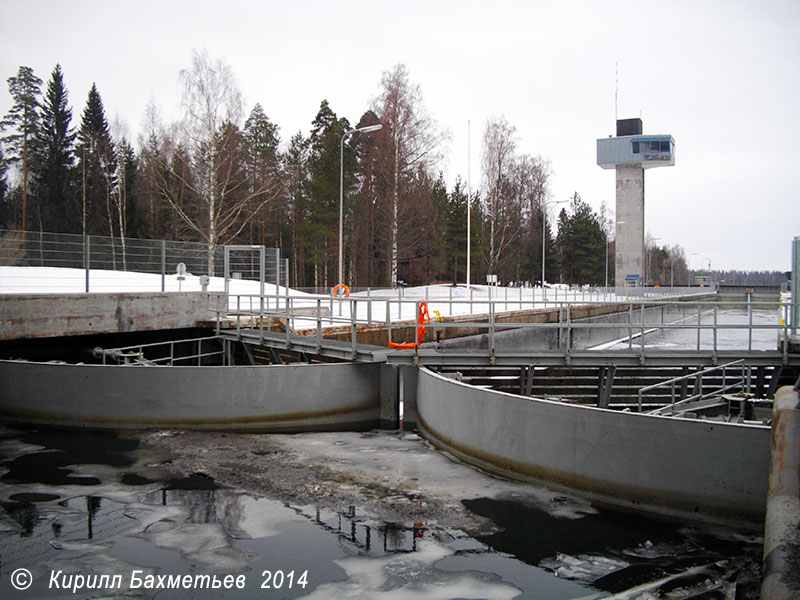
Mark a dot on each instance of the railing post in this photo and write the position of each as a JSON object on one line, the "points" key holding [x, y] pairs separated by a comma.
{"points": [[163, 265], [750, 323], [319, 324], [353, 315], [450, 299], [714, 349], [278, 295], [238, 317], [641, 338], [630, 324], [388, 321], [568, 341], [261, 320], [491, 330], [699, 308]]}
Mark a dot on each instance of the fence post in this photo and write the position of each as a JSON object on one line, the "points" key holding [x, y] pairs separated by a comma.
{"points": [[87, 253]]}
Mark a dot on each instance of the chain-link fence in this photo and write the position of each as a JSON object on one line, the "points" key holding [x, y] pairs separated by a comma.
{"points": [[93, 257]]}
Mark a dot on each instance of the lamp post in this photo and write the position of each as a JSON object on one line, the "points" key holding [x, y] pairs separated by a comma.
{"points": [[544, 220], [366, 129]]}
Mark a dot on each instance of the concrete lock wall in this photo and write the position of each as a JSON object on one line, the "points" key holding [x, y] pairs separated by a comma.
{"points": [[261, 398], [53, 315], [701, 470]]}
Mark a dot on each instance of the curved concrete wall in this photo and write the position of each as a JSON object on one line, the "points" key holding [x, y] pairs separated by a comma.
{"points": [[704, 470], [260, 398]]}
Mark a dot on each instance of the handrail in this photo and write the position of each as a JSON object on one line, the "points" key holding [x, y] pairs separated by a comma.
{"points": [[289, 309], [135, 355], [698, 375]]}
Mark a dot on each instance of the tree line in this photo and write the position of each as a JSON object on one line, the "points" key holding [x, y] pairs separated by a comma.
{"points": [[220, 176]]}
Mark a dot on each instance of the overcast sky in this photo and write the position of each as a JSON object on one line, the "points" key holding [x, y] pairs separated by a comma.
{"points": [[722, 77]]}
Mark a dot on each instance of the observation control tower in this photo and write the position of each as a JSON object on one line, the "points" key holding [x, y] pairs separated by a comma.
{"points": [[630, 153]]}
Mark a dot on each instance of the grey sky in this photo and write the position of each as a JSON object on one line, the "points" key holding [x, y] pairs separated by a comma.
{"points": [[721, 77]]}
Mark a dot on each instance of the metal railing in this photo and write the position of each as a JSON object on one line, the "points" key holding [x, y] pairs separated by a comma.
{"points": [[737, 384], [189, 351], [713, 326]]}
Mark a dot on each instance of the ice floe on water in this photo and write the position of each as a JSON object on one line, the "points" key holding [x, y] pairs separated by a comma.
{"points": [[402, 576]]}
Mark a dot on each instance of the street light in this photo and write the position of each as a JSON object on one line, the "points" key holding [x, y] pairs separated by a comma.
{"points": [[365, 129], [544, 220]]}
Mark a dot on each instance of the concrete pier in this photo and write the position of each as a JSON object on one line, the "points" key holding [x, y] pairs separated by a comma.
{"points": [[27, 316]]}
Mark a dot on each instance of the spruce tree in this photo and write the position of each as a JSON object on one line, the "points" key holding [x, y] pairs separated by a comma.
{"points": [[57, 140], [321, 227], [95, 167], [22, 122], [263, 172]]}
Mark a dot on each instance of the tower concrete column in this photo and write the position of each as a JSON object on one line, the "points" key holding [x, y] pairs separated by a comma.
{"points": [[629, 254]]}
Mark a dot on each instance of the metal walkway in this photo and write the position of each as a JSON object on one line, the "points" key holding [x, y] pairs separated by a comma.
{"points": [[431, 356], [713, 332]]}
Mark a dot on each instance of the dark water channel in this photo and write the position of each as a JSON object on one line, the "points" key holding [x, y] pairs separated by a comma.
{"points": [[80, 508]]}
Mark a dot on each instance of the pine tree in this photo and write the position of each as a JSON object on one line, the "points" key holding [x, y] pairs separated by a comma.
{"points": [[23, 121], [56, 140]]}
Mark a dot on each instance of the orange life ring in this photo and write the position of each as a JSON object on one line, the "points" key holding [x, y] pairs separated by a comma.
{"points": [[340, 286], [423, 318]]}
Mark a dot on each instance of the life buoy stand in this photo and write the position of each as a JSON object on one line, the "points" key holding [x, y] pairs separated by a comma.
{"points": [[423, 319], [340, 287]]}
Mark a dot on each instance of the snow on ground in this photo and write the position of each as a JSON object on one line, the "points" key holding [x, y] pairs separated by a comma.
{"points": [[369, 307]]}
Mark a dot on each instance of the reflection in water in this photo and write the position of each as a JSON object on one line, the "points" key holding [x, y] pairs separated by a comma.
{"points": [[136, 518]]}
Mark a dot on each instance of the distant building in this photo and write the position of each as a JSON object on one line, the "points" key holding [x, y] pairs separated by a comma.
{"points": [[630, 153]]}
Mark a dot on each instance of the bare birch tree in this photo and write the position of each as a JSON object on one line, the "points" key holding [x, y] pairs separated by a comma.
{"points": [[212, 112], [498, 166], [412, 143]]}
